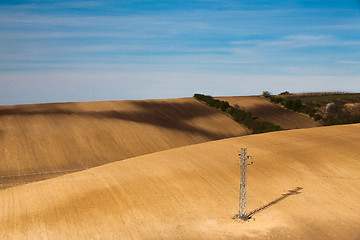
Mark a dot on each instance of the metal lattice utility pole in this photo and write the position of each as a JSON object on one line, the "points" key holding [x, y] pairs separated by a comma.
{"points": [[243, 191]]}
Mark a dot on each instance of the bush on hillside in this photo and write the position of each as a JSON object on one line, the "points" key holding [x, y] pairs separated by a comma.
{"points": [[266, 94], [224, 105], [275, 99], [293, 104], [297, 105], [317, 117], [309, 111], [289, 103]]}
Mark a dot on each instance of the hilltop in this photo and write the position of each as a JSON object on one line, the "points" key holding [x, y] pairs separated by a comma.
{"points": [[41, 141]]}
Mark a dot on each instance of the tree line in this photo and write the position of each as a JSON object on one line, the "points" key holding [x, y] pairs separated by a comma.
{"points": [[239, 115], [293, 104]]}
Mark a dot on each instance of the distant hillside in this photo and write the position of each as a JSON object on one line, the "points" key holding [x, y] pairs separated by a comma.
{"points": [[266, 111], [304, 184], [45, 140], [328, 108]]}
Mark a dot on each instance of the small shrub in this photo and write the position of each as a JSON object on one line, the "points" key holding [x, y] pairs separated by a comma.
{"points": [[309, 111], [297, 104], [289, 103], [266, 94], [276, 99], [294, 104], [224, 105], [317, 117]]}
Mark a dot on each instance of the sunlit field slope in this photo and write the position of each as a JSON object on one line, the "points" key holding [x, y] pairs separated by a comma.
{"points": [[45, 140], [266, 111], [304, 184]]}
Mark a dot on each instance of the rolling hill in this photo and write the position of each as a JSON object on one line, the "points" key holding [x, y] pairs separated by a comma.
{"points": [[46, 140], [304, 184], [266, 111]]}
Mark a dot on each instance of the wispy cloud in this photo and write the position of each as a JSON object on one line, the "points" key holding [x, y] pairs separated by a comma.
{"points": [[333, 27], [299, 41], [72, 34], [349, 62], [52, 5]]}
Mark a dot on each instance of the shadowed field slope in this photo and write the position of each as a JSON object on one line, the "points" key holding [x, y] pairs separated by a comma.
{"points": [[304, 184], [45, 140], [266, 111]]}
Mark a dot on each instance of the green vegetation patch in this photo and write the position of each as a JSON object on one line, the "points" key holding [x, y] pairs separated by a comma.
{"points": [[238, 114], [329, 108], [328, 98]]}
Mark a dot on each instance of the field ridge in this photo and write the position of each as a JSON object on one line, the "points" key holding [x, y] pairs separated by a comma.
{"points": [[41, 141]]}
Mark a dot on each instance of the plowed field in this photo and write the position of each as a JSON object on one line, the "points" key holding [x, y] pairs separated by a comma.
{"points": [[304, 184], [46, 140]]}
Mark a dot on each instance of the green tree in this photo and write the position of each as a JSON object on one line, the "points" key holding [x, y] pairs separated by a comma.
{"points": [[266, 94], [297, 104], [289, 103]]}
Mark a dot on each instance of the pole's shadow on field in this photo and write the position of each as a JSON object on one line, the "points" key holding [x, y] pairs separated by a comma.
{"points": [[294, 191]]}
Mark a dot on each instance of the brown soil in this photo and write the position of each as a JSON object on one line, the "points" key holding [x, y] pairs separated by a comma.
{"points": [[46, 140], [266, 111], [304, 184]]}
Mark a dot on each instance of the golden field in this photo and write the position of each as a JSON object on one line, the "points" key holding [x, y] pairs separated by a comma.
{"points": [[304, 184], [42, 141]]}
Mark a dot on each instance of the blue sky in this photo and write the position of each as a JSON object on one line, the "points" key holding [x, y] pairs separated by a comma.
{"points": [[60, 51]]}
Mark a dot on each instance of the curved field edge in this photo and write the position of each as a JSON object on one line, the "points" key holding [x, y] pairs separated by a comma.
{"points": [[46, 140], [192, 193]]}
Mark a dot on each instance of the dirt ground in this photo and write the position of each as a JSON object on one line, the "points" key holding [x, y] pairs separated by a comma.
{"points": [[304, 184], [46, 140], [266, 111]]}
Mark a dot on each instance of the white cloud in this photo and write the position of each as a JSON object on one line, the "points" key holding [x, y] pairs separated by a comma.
{"points": [[349, 62], [298, 41], [305, 38], [338, 27]]}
